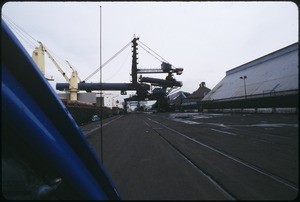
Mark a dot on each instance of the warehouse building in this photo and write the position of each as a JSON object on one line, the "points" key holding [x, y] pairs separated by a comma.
{"points": [[268, 84], [193, 101], [175, 100], [188, 101]]}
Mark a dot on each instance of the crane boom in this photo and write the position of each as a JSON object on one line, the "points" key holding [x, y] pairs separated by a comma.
{"points": [[55, 63], [73, 70], [165, 68], [73, 80]]}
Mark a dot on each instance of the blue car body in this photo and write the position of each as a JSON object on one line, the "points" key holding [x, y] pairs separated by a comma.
{"points": [[40, 136]]}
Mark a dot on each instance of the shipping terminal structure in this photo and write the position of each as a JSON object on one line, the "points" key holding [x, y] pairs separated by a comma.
{"points": [[146, 88]]}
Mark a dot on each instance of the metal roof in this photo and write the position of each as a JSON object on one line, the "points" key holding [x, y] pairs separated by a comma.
{"points": [[200, 92], [178, 94], [275, 73]]}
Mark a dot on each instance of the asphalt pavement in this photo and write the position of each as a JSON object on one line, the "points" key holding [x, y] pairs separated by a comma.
{"points": [[199, 156]]}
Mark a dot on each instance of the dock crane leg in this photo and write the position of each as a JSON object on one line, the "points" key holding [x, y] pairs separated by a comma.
{"points": [[73, 86]]}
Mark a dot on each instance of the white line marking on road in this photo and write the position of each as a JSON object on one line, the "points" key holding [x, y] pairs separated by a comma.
{"points": [[94, 129], [147, 124], [229, 133], [233, 158], [113, 120]]}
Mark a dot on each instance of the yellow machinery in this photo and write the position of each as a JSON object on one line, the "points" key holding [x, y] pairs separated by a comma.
{"points": [[38, 56]]}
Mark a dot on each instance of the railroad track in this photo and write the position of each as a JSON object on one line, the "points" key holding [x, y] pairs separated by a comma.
{"points": [[226, 157], [266, 185]]}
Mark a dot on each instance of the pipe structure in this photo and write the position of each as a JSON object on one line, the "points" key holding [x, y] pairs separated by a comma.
{"points": [[161, 82], [104, 86]]}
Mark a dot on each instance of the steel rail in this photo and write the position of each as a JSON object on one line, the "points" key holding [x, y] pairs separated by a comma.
{"points": [[252, 167], [190, 161]]}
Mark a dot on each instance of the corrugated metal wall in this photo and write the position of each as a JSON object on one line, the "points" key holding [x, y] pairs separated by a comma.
{"points": [[273, 74]]}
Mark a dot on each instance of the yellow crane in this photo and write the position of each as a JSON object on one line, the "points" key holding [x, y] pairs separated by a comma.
{"points": [[38, 56]]}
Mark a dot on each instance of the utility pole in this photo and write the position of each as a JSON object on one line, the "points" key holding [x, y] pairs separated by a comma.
{"points": [[101, 99]]}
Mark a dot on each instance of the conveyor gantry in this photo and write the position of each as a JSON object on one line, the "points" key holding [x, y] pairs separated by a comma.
{"points": [[141, 85]]}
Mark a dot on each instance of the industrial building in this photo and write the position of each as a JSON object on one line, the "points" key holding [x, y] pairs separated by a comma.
{"points": [[268, 84], [176, 99], [184, 101], [194, 100]]}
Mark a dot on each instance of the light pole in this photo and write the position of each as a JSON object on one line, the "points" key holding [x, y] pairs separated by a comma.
{"points": [[244, 78]]}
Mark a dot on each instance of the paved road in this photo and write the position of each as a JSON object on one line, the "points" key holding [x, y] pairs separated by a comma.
{"points": [[192, 156]]}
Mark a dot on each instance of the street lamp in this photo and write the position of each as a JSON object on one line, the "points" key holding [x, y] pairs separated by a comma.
{"points": [[244, 78]]}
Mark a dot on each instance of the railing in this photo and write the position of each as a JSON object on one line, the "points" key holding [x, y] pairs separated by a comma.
{"points": [[278, 93]]}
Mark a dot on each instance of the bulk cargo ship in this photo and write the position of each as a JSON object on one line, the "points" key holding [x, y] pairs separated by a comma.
{"points": [[82, 106]]}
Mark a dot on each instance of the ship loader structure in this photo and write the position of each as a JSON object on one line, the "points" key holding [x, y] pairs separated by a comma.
{"points": [[147, 88]]}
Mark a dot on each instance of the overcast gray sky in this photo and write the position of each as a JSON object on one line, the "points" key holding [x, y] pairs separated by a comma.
{"points": [[205, 38]]}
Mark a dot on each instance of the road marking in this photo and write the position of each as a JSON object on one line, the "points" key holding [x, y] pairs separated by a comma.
{"points": [[277, 136], [147, 124], [229, 133], [112, 120], [151, 127], [185, 121], [97, 128], [278, 179], [227, 194], [270, 125]]}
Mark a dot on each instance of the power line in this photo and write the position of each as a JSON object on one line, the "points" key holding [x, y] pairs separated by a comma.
{"points": [[19, 33], [30, 41], [122, 65], [110, 59], [18, 27], [153, 52]]}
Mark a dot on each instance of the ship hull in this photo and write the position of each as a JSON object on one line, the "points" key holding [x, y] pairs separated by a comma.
{"points": [[83, 114]]}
